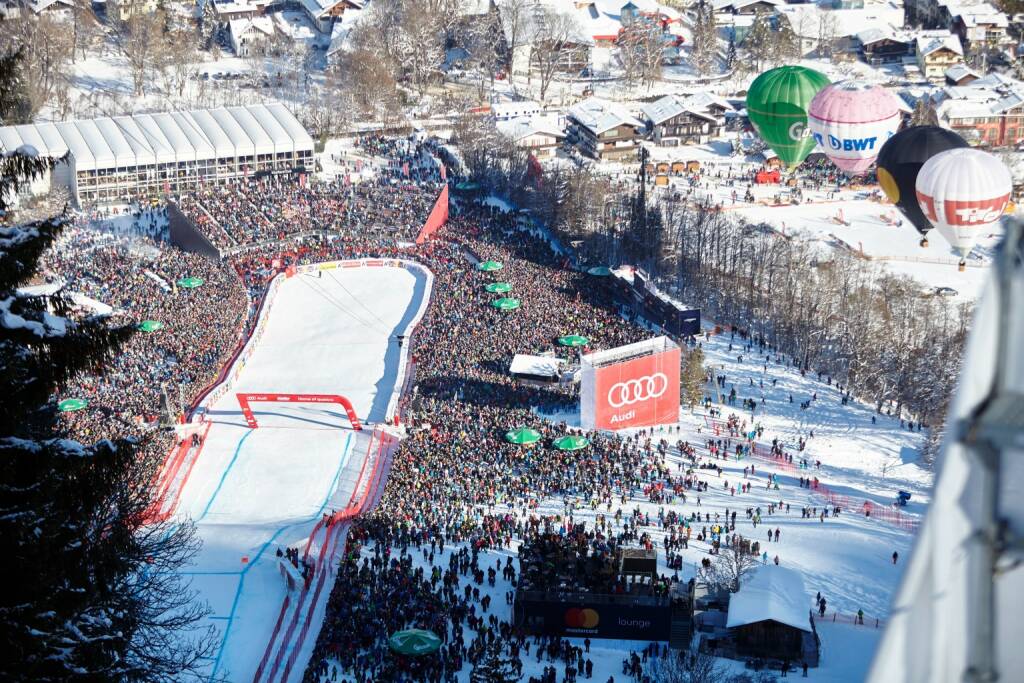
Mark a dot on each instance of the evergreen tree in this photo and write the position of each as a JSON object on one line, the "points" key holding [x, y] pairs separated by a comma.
{"points": [[694, 377], [92, 593], [494, 667], [705, 38]]}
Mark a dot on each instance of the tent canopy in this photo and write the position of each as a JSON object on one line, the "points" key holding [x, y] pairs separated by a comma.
{"points": [[535, 366], [771, 594]]}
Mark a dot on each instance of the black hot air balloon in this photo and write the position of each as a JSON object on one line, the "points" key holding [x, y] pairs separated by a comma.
{"points": [[899, 162]]}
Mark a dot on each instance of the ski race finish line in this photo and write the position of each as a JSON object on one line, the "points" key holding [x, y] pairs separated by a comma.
{"points": [[245, 399]]}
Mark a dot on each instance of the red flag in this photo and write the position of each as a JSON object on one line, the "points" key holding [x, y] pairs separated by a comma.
{"points": [[405, 169], [444, 171]]}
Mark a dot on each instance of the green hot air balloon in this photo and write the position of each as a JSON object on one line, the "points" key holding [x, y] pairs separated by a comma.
{"points": [[777, 105]]}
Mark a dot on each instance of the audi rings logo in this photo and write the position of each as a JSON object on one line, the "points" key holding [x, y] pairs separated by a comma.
{"points": [[635, 390]]}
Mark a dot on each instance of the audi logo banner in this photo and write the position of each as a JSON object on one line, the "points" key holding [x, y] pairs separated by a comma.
{"points": [[639, 392]]}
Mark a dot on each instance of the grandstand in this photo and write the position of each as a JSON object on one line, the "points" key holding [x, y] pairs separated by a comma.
{"points": [[143, 156]]}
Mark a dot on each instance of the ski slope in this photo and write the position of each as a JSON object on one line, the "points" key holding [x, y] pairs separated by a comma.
{"points": [[253, 491]]}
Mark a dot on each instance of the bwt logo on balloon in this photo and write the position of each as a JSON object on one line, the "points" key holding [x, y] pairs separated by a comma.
{"points": [[635, 390], [848, 145]]}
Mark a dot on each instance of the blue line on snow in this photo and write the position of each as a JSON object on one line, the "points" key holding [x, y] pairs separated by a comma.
{"points": [[238, 449], [241, 581]]}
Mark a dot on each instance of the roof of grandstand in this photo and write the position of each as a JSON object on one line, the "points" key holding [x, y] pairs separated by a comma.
{"points": [[164, 137]]}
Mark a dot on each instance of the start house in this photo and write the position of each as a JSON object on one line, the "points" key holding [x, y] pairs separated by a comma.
{"points": [[112, 160]]}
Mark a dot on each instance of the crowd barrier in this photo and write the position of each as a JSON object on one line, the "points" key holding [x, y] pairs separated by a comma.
{"points": [[364, 497]]}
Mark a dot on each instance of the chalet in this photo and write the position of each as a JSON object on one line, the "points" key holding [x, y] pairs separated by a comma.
{"points": [[541, 135], [769, 618], [233, 10], [988, 111], [672, 121], [746, 7], [936, 51], [603, 130], [13, 8], [980, 24], [250, 36], [884, 45], [961, 74], [123, 10], [323, 13]]}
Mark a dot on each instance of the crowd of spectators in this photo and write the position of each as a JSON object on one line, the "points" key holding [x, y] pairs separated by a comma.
{"points": [[455, 483], [137, 278], [392, 203]]}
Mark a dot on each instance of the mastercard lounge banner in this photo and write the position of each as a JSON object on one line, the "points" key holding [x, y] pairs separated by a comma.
{"points": [[593, 620], [636, 393]]}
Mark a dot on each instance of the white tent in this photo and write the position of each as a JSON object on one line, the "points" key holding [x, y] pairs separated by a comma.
{"points": [[771, 594], [536, 366]]}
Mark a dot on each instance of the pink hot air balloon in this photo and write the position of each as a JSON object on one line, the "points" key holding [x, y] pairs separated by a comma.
{"points": [[851, 121]]}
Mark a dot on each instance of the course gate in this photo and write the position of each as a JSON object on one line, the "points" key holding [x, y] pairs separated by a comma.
{"points": [[245, 399]]}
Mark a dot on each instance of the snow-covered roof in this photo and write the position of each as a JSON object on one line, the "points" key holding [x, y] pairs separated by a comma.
{"points": [[342, 29], [990, 95], [40, 6], [263, 24], [939, 40], [977, 14], [879, 33], [525, 126], [170, 136], [600, 115], [670, 106], [232, 7], [772, 593], [541, 366], [958, 71], [737, 5], [318, 8]]}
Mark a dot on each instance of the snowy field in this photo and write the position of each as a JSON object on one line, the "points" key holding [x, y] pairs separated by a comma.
{"points": [[254, 491]]}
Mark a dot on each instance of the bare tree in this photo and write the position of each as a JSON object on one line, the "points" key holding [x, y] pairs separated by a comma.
{"points": [[704, 50], [828, 28], [46, 49], [687, 667], [641, 50], [139, 40], [514, 16], [554, 45]]}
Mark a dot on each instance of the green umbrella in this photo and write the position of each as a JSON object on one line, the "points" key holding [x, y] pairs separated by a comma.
{"points": [[70, 405], [499, 288], [600, 271], [571, 443], [506, 304], [191, 282], [523, 435], [573, 340], [151, 326], [414, 642], [490, 266]]}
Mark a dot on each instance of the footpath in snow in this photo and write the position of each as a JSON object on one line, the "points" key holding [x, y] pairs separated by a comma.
{"points": [[252, 492]]}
